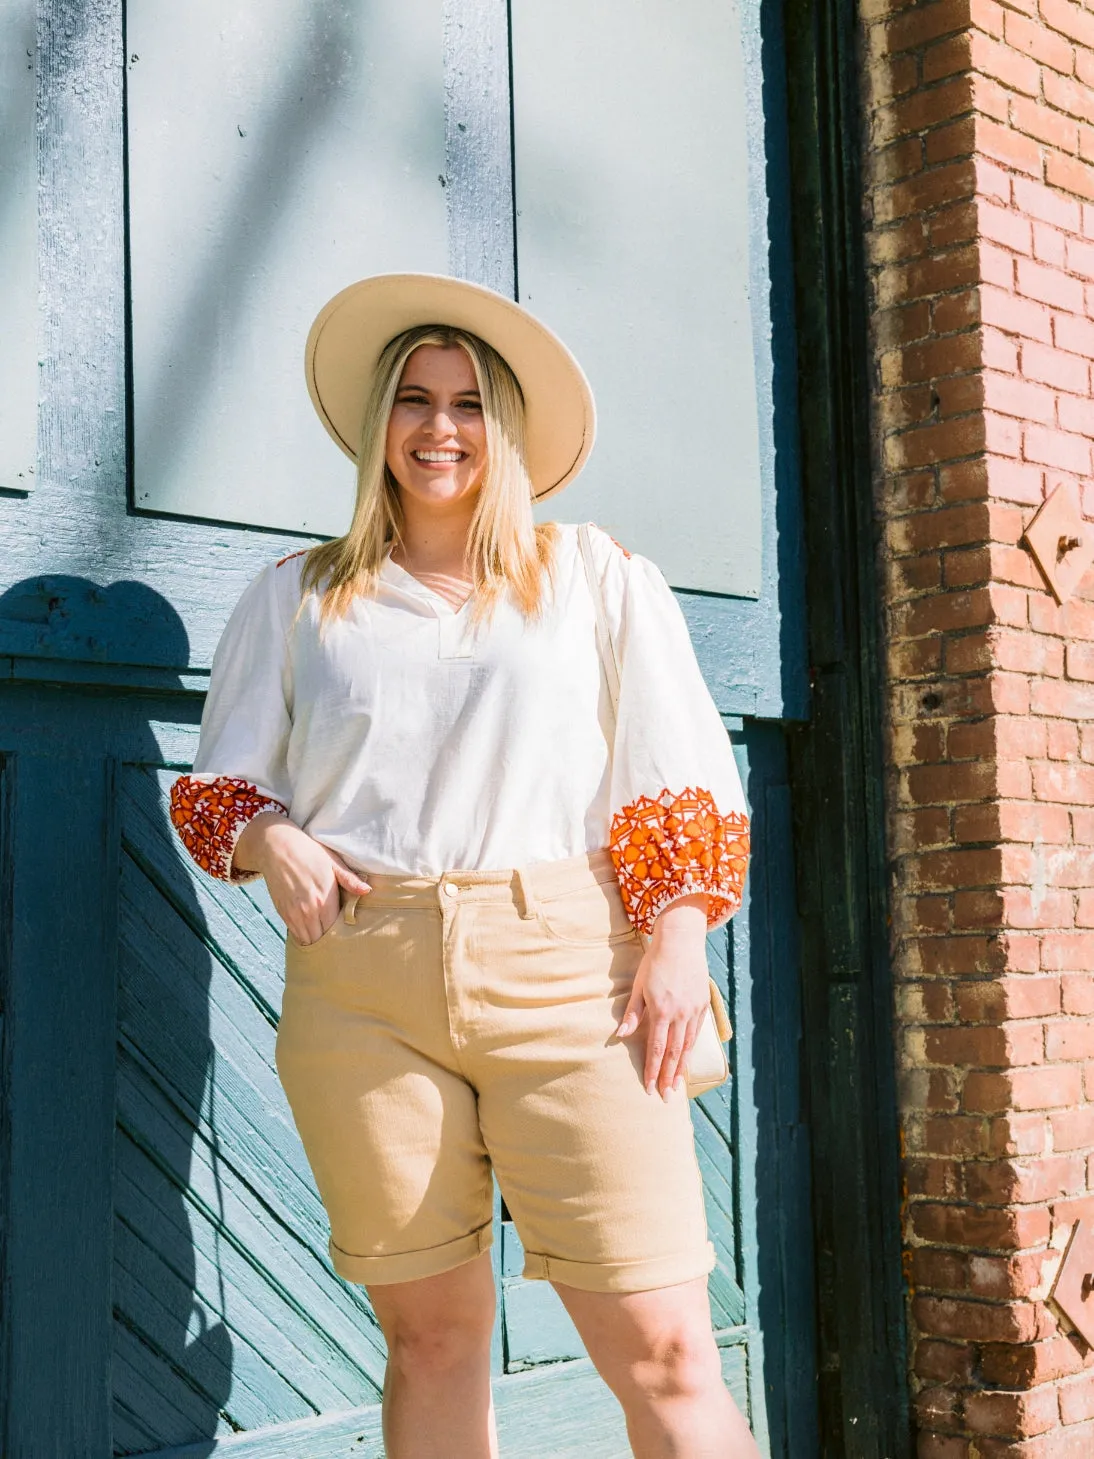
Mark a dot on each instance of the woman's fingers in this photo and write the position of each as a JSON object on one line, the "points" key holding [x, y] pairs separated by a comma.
{"points": [[632, 1014], [310, 915], [349, 879], [670, 1041], [308, 919], [670, 1062], [656, 1044]]}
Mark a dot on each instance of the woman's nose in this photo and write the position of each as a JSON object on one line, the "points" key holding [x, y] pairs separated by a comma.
{"points": [[441, 423]]}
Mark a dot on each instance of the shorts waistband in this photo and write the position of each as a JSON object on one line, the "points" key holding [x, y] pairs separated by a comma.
{"points": [[524, 885]]}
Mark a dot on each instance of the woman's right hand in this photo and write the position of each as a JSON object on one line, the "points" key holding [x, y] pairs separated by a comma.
{"points": [[302, 875]]}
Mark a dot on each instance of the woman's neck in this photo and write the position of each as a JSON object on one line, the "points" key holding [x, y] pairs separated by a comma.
{"points": [[434, 543]]}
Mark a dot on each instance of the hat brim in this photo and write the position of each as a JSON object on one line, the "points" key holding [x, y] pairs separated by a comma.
{"points": [[345, 342]]}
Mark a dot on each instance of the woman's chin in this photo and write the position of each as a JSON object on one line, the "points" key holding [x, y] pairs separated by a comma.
{"points": [[440, 491]]}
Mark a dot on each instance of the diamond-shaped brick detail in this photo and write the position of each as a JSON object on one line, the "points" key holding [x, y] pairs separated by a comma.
{"points": [[1073, 1291], [1062, 541]]}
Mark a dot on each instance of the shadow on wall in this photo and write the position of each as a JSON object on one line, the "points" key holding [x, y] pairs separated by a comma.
{"points": [[228, 1316], [173, 1353], [64, 617]]}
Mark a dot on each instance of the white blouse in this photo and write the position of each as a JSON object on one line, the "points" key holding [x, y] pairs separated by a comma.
{"points": [[408, 740]]}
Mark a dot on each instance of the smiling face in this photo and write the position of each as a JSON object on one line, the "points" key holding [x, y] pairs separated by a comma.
{"points": [[436, 434]]}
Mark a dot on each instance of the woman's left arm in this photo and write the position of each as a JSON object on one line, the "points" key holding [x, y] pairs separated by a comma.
{"points": [[680, 828], [679, 820]]}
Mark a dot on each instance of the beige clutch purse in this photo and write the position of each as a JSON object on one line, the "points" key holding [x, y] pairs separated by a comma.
{"points": [[707, 1064]]}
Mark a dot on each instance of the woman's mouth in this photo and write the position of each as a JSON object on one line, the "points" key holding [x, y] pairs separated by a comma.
{"points": [[437, 458]]}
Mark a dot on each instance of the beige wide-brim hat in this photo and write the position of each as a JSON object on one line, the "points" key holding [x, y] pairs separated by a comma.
{"points": [[345, 342]]}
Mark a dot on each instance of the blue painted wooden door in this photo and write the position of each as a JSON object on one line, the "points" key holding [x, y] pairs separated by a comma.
{"points": [[166, 1284]]}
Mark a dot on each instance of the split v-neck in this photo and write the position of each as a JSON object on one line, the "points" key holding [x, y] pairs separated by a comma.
{"points": [[400, 578], [455, 631]]}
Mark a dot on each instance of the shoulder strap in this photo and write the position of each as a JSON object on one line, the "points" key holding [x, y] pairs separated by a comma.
{"points": [[605, 643]]}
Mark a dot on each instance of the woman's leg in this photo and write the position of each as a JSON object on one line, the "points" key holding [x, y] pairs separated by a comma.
{"points": [[656, 1352], [437, 1401]]}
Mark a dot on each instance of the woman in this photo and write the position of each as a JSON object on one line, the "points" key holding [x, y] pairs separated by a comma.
{"points": [[407, 734]]}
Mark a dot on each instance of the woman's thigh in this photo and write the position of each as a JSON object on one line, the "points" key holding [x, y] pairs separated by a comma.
{"points": [[601, 1178], [389, 1125]]}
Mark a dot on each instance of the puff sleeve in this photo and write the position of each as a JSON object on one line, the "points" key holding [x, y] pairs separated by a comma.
{"points": [[680, 823], [240, 765]]}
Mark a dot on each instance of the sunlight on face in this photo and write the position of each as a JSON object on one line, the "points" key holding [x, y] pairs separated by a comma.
{"points": [[436, 436]]}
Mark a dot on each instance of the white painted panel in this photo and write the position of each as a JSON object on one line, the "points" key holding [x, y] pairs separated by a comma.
{"points": [[632, 195], [278, 150], [18, 247]]}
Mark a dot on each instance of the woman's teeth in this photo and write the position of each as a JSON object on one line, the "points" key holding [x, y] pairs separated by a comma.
{"points": [[437, 455]]}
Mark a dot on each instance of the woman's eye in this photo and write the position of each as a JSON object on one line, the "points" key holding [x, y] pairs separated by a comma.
{"points": [[470, 405]]}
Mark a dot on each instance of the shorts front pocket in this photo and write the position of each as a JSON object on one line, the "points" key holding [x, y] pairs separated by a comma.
{"points": [[323, 936], [589, 916]]}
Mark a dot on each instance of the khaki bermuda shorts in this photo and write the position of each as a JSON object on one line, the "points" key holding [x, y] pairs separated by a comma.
{"points": [[446, 1026]]}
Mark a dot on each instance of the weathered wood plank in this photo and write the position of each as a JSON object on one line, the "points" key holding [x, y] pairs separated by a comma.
{"points": [[233, 1282], [783, 1184], [478, 144], [243, 937], [61, 1049], [130, 1435], [299, 1276], [175, 1418], [538, 1328], [18, 246], [560, 1412], [174, 1007], [156, 1303]]}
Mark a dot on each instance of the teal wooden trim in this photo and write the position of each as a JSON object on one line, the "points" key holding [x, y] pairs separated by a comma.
{"points": [[132, 678], [770, 1135], [838, 769], [61, 1001], [7, 1256]]}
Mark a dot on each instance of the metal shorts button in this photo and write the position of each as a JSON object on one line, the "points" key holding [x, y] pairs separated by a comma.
{"points": [[451, 889]]}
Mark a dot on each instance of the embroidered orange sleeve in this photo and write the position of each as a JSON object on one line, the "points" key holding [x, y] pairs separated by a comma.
{"points": [[676, 845], [210, 814]]}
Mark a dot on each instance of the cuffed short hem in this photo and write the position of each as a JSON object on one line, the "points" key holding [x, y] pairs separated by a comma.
{"points": [[410, 1266], [621, 1276]]}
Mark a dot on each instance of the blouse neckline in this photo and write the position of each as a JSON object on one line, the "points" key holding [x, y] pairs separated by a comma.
{"points": [[408, 583]]}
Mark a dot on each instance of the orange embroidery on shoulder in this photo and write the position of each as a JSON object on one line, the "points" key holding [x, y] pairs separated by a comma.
{"points": [[672, 846], [289, 557], [210, 814], [610, 538]]}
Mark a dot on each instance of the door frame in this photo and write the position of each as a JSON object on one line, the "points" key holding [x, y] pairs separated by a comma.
{"points": [[838, 767]]}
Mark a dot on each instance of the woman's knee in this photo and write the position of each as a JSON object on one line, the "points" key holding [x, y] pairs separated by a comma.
{"points": [[451, 1346], [679, 1365], [437, 1325]]}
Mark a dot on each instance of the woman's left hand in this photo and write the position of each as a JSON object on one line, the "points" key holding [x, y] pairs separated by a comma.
{"points": [[671, 993]]}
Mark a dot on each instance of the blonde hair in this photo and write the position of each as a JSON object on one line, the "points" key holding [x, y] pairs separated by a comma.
{"points": [[505, 548]]}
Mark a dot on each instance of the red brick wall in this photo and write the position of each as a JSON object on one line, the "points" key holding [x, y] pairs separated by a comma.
{"points": [[980, 227]]}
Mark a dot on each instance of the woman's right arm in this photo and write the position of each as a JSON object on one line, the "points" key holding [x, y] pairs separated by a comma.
{"points": [[301, 874], [232, 812]]}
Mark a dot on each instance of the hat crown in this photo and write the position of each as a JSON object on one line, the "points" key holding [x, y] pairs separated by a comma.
{"points": [[351, 330]]}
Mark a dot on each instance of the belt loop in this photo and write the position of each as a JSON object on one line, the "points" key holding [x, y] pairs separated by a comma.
{"points": [[526, 897], [350, 913]]}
